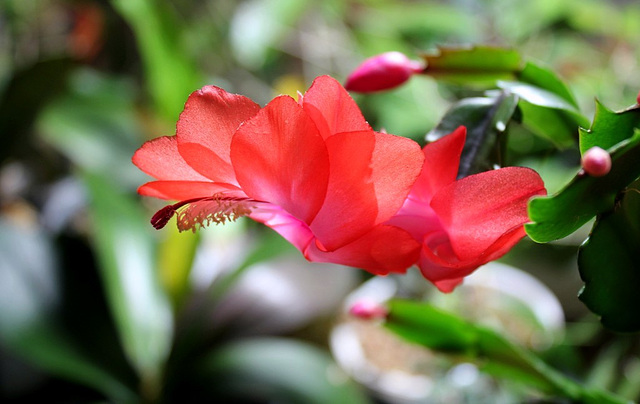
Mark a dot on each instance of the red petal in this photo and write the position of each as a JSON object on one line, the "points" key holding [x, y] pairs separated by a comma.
{"points": [[383, 250], [160, 159], [477, 210], [183, 190], [441, 161], [279, 157], [446, 270], [332, 108], [396, 164], [350, 208], [206, 126]]}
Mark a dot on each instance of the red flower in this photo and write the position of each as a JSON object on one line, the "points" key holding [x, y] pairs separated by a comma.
{"points": [[312, 170], [466, 223], [382, 72]]}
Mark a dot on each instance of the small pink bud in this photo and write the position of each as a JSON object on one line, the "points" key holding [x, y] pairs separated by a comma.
{"points": [[638, 99], [382, 72], [596, 162], [368, 310]]}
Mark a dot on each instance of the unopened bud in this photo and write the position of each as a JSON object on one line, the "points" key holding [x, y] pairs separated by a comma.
{"points": [[368, 310], [638, 99], [596, 162], [382, 72]]}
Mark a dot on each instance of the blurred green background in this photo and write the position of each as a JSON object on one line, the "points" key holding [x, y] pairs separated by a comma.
{"points": [[96, 306]]}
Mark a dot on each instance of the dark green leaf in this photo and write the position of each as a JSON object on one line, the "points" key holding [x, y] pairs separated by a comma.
{"points": [[486, 119], [609, 266], [609, 128], [557, 216], [277, 370], [478, 66], [126, 248]]}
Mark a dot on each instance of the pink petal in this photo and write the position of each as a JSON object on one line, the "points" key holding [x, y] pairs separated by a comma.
{"points": [[383, 250], [279, 157], [477, 210], [160, 159], [206, 126], [293, 230], [183, 190], [332, 108]]}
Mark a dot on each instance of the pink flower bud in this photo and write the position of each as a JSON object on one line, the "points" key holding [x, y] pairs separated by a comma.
{"points": [[382, 72], [638, 99], [368, 310], [596, 162]]}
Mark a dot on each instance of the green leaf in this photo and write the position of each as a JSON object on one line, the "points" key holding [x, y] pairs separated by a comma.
{"points": [[546, 79], [170, 73], [478, 66], [608, 264], [29, 324], [547, 114], [486, 119], [125, 248], [557, 216], [609, 128], [277, 370], [425, 325]]}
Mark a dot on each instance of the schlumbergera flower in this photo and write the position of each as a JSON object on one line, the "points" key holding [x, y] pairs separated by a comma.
{"points": [[313, 170], [463, 224]]}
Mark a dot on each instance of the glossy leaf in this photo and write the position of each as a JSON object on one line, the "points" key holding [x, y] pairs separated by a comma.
{"points": [[608, 264], [486, 119], [29, 325], [278, 370], [125, 248], [609, 128], [585, 196], [479, 66], [546, 79], [557, 216], [433, 328], [547, 114]]}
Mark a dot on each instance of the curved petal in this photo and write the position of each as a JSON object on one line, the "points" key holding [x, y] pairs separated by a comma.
{"points": [[183, 190], [439, 264], [279, 157], [293, 230], [332, 108], [477, 210], [206, 126], [160, 159], [441, 161], [383, 250], [396, 165], [350, 208], [371, 175]]}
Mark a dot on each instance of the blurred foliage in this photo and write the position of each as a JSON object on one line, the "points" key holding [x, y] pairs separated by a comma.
{"points": [[95, 306]]}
